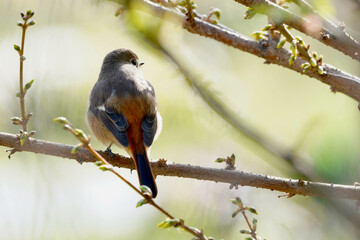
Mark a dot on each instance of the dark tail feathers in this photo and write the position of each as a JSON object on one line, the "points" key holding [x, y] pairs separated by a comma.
{"points": [[145, 174]]}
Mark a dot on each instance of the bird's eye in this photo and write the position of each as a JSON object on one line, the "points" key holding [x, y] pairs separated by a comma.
{"points": [[133, 62]]}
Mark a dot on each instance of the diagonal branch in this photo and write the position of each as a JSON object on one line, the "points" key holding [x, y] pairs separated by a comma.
{"points": [[339, 81], [329, 34], [161, 167]]}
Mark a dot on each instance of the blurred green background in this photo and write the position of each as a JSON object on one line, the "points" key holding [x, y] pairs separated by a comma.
{"points": [[43, 197]]}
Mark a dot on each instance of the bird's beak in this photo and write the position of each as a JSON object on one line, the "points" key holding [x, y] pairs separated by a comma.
{"points": [[142, 63]]}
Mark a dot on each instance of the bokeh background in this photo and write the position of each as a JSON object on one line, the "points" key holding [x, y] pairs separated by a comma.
{"points": [[43, 197]]}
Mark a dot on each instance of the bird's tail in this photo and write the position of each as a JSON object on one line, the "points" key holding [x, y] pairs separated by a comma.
{"points": [[146, 176]]}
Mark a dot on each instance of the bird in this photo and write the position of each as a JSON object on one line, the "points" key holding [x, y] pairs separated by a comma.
{"points": [[123, 110]]}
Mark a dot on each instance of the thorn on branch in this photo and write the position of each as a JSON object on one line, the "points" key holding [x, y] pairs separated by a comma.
{"points": [[12, 151], [234, 185]]}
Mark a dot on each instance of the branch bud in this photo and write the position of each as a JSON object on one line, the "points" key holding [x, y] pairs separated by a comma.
{"points": [[28, 85], [320, 70], [16, 120], [17, 48], [62, 120], [292, 59], [312, 62], [23, 138], [31, 23], [141, 202], [281, 43], [76, 148]]}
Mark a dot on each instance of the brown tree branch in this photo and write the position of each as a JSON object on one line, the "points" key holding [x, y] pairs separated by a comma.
{"points": [[339, 81], [329, 34], [164, 168]]}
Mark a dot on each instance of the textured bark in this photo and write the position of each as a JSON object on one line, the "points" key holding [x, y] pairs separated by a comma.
{"points": [[164, 168]]}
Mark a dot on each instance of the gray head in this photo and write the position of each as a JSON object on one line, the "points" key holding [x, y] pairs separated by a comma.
{"points": [[122, 56]]}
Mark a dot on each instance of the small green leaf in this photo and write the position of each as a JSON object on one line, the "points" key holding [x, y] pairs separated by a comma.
{"points": [[245, 231], [17, 48], [267, 27], [320, 70], [182, 3], [252, 210], [105, 167], [304, 65], [28, 12], [236, 201], [220, 160], [249, 238], [62, 120], [281, 43], [307, 68], [250, 13], [257, 35], [164, 224], [315, 55], [141, 202], [232, 159], [76, 148], [23, 58], [293, 48], [81, 134], [235, 213], [17, 94], [312, 62], [20, 24], [217, 13], [31, 23], [292, 59], [98, 163], [169, 223]]}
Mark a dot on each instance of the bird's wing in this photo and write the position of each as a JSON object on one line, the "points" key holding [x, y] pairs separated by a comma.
{"points": [[115, 122], [149, 126]]}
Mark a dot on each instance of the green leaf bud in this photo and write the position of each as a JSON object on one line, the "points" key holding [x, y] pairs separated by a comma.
{"points": [[28, 85], [281, 43], [17, 48], [312, 62], [62, 120]]}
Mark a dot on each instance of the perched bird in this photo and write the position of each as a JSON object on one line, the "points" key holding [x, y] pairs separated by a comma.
{"points": [[123, 110]]}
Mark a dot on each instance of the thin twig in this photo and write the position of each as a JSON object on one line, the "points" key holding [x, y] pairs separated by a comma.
{"points": [[252, 230], [22, 92], [85, 142]]}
